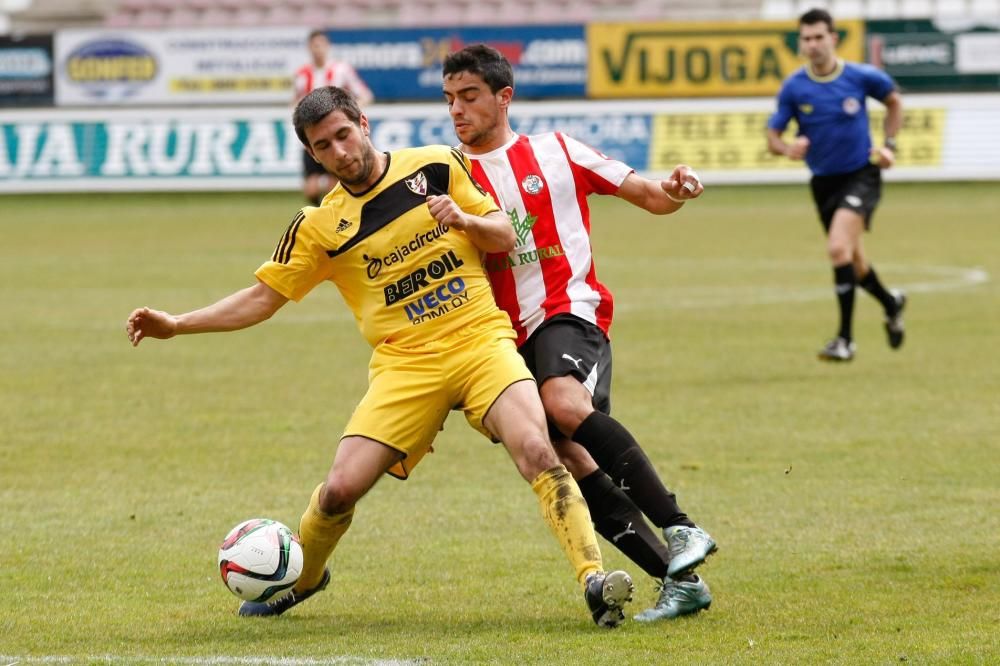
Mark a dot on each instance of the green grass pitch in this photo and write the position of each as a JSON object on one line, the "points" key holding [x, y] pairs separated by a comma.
{"points": [[856, 506]]}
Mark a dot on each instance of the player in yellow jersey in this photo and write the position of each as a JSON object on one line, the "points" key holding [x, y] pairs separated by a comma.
{"points": [[401, 237]]}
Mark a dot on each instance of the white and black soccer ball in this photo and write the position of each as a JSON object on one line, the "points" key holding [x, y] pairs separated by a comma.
{"points": [[260, 560]]}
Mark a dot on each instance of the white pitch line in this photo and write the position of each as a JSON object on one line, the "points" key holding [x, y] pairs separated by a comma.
{"points": [[944, 278], [214, 660]]}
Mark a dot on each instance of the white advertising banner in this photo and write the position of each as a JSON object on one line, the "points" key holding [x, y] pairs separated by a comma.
{"points": [[944, 137], [189, 66]]}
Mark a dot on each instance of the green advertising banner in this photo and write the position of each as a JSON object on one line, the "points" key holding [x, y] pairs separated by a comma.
{"points": [[923, 56]]}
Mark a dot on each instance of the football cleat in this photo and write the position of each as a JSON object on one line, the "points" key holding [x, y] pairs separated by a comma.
{"points": [[688, 547], [894, 324], [280, 605], [678, 597], [606, 595], [838, 349]]}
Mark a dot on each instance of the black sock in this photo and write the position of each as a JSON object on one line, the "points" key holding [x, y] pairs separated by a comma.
{"points": [[844, 282], [617, 453], [873, 286], [618, 519]]}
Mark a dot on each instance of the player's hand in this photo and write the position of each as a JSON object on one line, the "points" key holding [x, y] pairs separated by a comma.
{"points": [[146, 323], [797, 149], [683, 184], [883, 157], [446, 211]]}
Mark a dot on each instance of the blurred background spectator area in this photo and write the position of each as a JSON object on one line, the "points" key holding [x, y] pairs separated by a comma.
{"points": [[33, 16]]}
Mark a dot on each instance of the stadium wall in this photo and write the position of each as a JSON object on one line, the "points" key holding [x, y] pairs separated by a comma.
{"points": [[945, 137]]}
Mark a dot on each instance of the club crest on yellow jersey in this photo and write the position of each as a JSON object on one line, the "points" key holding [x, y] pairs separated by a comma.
{"points": [[417, 184]]}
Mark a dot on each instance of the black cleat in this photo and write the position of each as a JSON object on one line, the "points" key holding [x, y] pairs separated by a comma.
{"points": [[606, 595], [281, 604], [894, 329]]}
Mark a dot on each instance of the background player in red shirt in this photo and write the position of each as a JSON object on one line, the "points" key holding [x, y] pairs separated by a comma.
{"points": [[322, 70], [561, 313]]}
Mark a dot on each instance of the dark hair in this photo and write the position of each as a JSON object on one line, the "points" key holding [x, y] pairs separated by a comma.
{"points": [[320, 103], [317, 33], [483, 60], [814, 16]]}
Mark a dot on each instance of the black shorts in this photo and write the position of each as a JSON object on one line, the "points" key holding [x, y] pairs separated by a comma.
{"points": [[858, 191], [310, 166], [568, 345]]}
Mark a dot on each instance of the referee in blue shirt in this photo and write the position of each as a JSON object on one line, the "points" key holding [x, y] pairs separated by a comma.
{"points": [[826, 98]]}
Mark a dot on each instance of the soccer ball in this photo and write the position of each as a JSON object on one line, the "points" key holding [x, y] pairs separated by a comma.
{"points": [[260, 560]]}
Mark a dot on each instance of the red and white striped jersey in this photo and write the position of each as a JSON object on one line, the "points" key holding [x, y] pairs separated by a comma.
{"points": [[542, 182], [333, 73]]}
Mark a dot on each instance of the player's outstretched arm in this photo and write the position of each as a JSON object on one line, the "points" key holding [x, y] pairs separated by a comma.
{"points": [[240, 310], [490, 233], [665, 196]]}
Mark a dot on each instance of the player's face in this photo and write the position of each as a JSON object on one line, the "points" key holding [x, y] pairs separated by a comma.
{"points": [[476, 112], [319, 47], [344, 149], [818, 43]]}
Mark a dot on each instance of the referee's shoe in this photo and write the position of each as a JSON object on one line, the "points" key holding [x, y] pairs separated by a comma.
{"points": [[894, 329], [838, 349]]}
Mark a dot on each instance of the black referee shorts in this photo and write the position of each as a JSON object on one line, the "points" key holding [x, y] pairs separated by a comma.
{"points": [[310, 166], [858, 191]]}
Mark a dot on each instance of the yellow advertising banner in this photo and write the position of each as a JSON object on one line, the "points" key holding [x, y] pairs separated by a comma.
{"points": [[732, 141], [700, 59]]}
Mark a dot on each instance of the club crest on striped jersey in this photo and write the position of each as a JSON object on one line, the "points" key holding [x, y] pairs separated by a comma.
{"points": [[417, 183], [532, 184]]}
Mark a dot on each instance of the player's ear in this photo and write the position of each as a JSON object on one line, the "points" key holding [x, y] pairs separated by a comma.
{"points": [[363, 123], [505, 95]]}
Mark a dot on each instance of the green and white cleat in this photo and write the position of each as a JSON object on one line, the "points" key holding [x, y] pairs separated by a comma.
{"points": [[606, 594], [688, 547], [677, 598]]}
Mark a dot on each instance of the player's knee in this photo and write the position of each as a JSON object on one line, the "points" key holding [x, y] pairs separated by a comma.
{"points": [[536, 456], [338, 495], [839, 253], [565, 410]]}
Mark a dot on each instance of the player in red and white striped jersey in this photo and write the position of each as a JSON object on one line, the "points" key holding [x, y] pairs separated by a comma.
{"points": [[562, 314], [320, 71]]}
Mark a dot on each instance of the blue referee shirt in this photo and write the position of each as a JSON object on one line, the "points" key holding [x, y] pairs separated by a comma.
{"points": [[831, 112]]}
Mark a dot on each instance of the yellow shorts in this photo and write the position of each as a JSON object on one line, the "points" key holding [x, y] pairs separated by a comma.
{"points": [[411, 390]]}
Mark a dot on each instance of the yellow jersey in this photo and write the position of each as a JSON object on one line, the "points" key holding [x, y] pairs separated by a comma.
{"points": [[407, 278]]}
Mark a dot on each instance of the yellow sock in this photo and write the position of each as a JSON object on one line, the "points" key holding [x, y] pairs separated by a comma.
{"points": [[566, 512], [319, 533]]}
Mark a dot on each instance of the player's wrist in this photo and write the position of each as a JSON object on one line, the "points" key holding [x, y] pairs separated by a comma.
{"points": [[890, 143]]}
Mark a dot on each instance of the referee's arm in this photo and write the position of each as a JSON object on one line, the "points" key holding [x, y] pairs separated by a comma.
{"points": [[893, 117]]}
